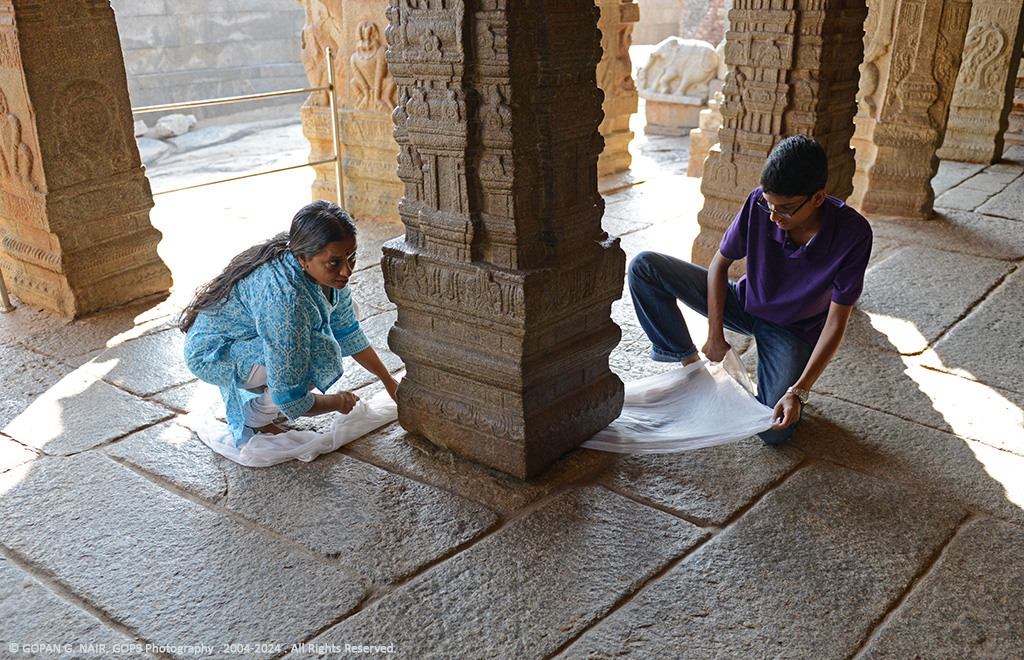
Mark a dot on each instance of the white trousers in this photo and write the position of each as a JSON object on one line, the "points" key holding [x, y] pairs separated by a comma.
{"points": [[261, 410]]}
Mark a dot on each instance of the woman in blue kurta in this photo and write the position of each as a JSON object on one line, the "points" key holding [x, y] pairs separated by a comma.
{"points": [[276, 323]]}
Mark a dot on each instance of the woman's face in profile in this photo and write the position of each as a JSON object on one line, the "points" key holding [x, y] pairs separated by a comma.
{"points": [[333, 265]]}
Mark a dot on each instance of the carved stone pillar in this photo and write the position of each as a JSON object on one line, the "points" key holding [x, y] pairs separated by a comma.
{"points": [[504, 279], [911, 57], [74, 199], [791, 70], [354, 30], [983, 94], [615, 78], [1015, 124]]}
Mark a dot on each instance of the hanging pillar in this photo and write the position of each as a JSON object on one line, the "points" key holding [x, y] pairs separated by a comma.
{"points": [[504, 279], [75, 235], [983, 94], [792, 70], [912, 55]]}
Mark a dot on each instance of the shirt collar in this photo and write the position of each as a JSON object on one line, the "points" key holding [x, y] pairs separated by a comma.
{"points": [[819, 243]]}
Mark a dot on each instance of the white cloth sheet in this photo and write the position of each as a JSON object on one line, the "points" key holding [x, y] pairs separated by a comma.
{"points": [[264, 449], [700, 405]]}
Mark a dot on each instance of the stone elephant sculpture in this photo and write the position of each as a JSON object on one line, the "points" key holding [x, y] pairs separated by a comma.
{"points": [[679, 67]]}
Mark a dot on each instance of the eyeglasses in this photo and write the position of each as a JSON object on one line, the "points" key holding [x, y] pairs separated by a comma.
{"points": [[785, 214]]}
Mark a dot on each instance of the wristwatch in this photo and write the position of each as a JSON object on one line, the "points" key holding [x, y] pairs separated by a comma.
{"points": [[800, 393]]}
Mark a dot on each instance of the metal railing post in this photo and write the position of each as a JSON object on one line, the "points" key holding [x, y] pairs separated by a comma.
{"points": [[5, 300], [335, 128]]}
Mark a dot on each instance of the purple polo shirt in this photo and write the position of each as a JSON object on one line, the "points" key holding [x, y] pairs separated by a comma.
{"points": [[790, 285]]}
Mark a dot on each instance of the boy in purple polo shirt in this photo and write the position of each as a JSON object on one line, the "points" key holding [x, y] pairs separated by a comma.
{"points": [[806, 254]]}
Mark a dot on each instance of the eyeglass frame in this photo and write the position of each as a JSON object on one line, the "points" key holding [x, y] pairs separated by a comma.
{"points": [[762, 203]]}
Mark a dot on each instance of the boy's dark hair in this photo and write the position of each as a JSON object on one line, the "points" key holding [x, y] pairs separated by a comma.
{"points": [[796, 167]]}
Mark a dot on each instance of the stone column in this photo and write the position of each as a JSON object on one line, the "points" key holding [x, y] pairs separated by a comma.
{"points": [[1014, 135], [354, 30], [983, 93], [74, 198], [615, 78], [791, 70], [911, 58], [504, 279]]}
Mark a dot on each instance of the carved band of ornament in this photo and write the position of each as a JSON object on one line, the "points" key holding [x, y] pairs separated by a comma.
{"points": [[31, 253], [472, 414], [597, 400], [17, 276], [983, 48], [477, 293]]}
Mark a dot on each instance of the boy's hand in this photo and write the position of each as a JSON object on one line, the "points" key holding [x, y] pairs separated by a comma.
{"points": [[787, 411], [715, 349]]}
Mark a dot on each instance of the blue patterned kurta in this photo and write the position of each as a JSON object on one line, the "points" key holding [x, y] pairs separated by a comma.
{"points": [[279, 318]]}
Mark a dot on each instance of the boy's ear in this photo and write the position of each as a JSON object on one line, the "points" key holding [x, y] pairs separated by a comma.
{"points": [[818, 198]]}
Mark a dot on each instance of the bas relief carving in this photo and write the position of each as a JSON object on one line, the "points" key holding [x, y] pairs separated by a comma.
{"points": [[374, 88]]}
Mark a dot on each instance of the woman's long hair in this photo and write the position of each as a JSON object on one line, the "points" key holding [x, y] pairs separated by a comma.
{"points": [[313, 227]]}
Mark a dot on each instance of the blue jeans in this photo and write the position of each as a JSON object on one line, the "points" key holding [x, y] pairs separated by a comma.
{"points": [[656, 281]]}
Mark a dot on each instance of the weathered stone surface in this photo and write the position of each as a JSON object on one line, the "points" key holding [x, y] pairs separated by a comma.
{"points": [[952, 173], [977, 190], [900, 296], [981, 104], [30, 615], [383, 525], [170, 126], [164, 566], [967, 606], [959, 232], [707, 486], [397, 450], [615, 78], [25, 375], [987, 344], [1007, 203], [13, 454], [130, 365], [194, 396], [175, 453], [376, 329], [529, 588], [368, 292], [801, 575], [80, 412], [885, 381], [140, 128], [827, 50], [503, 304], [76, 231], [980, 477], [911, 57]]}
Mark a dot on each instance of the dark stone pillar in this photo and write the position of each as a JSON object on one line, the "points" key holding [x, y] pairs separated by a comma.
{"points": [[504, 279]]}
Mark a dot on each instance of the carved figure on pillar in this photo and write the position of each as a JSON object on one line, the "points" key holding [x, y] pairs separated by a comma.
{"points": [[791, 71], [75, 235], [366, 97], [915, 46], [983, 94], [615, 78], [504, 279]]}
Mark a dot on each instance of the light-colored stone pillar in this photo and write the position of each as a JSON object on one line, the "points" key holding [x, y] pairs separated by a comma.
{"points": [[74, 198], [792, 70], [354, 30], [1014, 135], [615, 78], [983, 94], [911, 57], [504, 279]]}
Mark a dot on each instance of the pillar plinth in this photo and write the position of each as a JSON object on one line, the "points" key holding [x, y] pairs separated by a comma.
{"points": [[504, 279], [75, 235], [792, 70]]}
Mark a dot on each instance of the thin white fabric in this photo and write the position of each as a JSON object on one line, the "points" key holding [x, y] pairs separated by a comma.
{"points": [[700, 405], [264, 450]]}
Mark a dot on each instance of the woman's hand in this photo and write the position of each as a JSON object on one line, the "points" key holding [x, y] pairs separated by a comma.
{"points": [[344, 402], [787, 411], [391, 385]]}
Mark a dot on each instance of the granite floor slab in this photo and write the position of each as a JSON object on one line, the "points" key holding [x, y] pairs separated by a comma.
{"points": [[980, 477], [1008, 202], [916, 294], [382, 525], [13, 454], [36, 623], [80, 412], [25, 375], [144, 366], [706, 486], [988, 345], [165, 568], [529, 588], [801, 575], [958, 232], [969, 607]]}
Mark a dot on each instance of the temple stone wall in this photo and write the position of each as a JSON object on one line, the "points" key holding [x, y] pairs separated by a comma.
{"points": [[659, 19], [176, 51], [704, 20]]}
